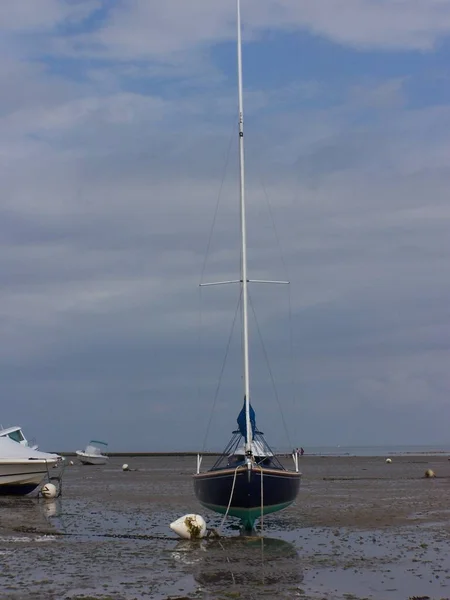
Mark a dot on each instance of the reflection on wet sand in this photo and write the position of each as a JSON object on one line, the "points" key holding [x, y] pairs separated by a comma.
{"points": [[27, 515], [51, 508], [260, 566]]}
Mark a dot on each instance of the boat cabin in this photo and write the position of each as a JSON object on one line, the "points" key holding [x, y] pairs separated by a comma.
{"points": [[16, 435]]}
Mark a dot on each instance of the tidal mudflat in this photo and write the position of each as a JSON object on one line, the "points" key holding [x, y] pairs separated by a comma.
{"points": [[360, 529]]}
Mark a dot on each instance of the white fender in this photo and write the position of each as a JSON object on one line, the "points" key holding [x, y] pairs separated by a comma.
{"points": [[190, 527]]}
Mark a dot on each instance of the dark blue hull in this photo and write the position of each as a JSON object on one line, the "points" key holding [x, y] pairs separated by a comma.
{"points": [[245, 493], [16, 489], [22, 478]]}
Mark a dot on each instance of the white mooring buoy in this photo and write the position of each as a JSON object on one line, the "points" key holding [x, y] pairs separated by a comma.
{"points": [[49, 490], [430, 473], [125, 467], [389, 460], [190, 527]]}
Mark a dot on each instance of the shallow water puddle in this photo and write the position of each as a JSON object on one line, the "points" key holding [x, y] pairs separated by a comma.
{"points": [[395, 582]]}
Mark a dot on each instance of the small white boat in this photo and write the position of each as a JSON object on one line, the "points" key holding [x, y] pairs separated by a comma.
{"points": [[15, 433], [93, 454], [22, 469]]}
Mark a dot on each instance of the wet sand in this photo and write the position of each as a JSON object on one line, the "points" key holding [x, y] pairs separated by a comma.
{"points": [[360, 529]]}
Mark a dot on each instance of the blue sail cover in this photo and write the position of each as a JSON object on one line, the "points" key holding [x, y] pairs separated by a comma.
{"points": [[242, 422]]}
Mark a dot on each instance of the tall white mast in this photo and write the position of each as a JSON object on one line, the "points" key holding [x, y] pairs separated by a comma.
{"points": [[244, 278]]}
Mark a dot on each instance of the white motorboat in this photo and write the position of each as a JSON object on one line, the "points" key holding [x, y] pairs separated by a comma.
{"points": [[93, 454], [15, 433], [22, 469]]}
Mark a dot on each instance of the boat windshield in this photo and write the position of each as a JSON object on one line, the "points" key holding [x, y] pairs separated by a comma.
{"points": [[16, 436], [96, 447]]}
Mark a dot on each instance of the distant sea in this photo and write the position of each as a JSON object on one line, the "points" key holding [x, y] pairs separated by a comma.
{"points": [[386, 450], [376, 450]]}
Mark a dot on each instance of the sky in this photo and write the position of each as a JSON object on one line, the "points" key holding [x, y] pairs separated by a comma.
{"points": [[119, 195]]}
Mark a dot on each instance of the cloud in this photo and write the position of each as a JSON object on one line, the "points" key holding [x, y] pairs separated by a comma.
{"points": [[364, 24], [45, 15], [163, 31]]}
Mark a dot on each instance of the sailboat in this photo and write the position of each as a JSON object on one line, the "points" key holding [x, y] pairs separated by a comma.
{"points": [[247, 481]]}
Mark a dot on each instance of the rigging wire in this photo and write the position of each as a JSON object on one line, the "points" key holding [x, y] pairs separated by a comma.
{"points": [[205, 259], [291, 347], [286, 270], [216, 210], [277, 237], [272, 379], [216, 395]]}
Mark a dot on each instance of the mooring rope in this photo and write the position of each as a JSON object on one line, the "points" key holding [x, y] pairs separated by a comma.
{"points": [[262, 500], [231, 498]]}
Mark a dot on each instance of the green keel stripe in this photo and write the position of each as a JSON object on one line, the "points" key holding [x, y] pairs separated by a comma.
{"points": [[248, 516]]}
